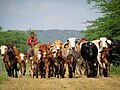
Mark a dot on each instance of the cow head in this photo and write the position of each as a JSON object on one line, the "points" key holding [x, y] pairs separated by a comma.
{"points": [[3, 48], [11, 49], [104, 42], [22, 56], [72, 41], [89, 51], [58, 44]]}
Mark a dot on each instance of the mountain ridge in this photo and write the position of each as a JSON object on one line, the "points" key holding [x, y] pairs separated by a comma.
{"points": [[45, 36]]}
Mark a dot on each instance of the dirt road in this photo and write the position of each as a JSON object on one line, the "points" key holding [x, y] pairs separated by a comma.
{"points": [[82, 83]]}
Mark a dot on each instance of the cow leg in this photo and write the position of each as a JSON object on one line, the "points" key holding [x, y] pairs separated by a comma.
{"points": [[36, 71], [98, 70], [15, 67], [70, 71], [108, 69], [24, 69], [67, 70], [47, 71], [87, 69], [8, 69], [101, 71]]}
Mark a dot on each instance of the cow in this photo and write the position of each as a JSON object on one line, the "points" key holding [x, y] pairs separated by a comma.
{"points": [[35, 60], [34, 52], [10, 60], [45, 61], [105, 59], [74, 49], [71, 64], [89, 53], [81, 62], [21, 58], [101, 43]]}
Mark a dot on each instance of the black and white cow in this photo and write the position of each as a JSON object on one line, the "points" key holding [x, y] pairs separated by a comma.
{"points": [[101, 43], [89, 53]]}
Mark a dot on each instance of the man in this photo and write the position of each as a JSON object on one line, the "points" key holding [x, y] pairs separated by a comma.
{"points": [[31, 42]]}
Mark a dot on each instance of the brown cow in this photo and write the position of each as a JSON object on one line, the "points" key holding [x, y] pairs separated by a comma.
{"points": [[21, 58], [70, 61], [105, 60], [10, 60], [44, 63]]}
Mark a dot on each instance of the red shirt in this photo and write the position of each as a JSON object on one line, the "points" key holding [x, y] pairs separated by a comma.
{"points": [[34, 39]]}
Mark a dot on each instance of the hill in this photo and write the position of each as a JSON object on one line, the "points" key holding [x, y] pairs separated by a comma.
{"points": [[45, 36]]}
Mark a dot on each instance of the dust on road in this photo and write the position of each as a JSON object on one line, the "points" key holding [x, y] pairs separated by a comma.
{"points": [[82, 83]]}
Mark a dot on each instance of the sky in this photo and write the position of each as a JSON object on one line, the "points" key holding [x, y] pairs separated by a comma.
{"points": [[46, 14]]}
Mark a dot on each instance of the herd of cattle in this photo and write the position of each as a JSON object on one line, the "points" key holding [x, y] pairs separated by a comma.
{"points": [[73, 58]]}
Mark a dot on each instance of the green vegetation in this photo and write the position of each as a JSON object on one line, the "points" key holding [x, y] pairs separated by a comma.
{"points": [[109, 24], [19, 38], [3, 74], [115, 70]]}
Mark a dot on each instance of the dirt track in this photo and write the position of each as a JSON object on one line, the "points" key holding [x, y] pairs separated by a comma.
{"points": [[82, 83]]}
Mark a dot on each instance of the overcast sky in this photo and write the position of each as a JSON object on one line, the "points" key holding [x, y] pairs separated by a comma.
{"points": [[45, 14]]}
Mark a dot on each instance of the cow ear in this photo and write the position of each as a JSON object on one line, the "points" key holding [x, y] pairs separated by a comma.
{"points": [[76, 42], [67, 40], [66, 45], [99, 43]]}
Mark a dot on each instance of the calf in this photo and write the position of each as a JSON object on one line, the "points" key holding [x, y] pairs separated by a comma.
{"points": [[21, 58]]}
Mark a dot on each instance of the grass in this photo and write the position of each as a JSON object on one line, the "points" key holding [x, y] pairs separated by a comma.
{"points": [[3, 76], [115, 70]]}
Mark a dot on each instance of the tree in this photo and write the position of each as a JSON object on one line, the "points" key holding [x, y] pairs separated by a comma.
{"points": [[109, 24], [19, 38], [1, 28]]}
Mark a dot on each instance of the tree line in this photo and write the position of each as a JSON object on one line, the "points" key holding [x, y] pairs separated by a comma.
{"points": [[17, 37], [109, 24]]}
